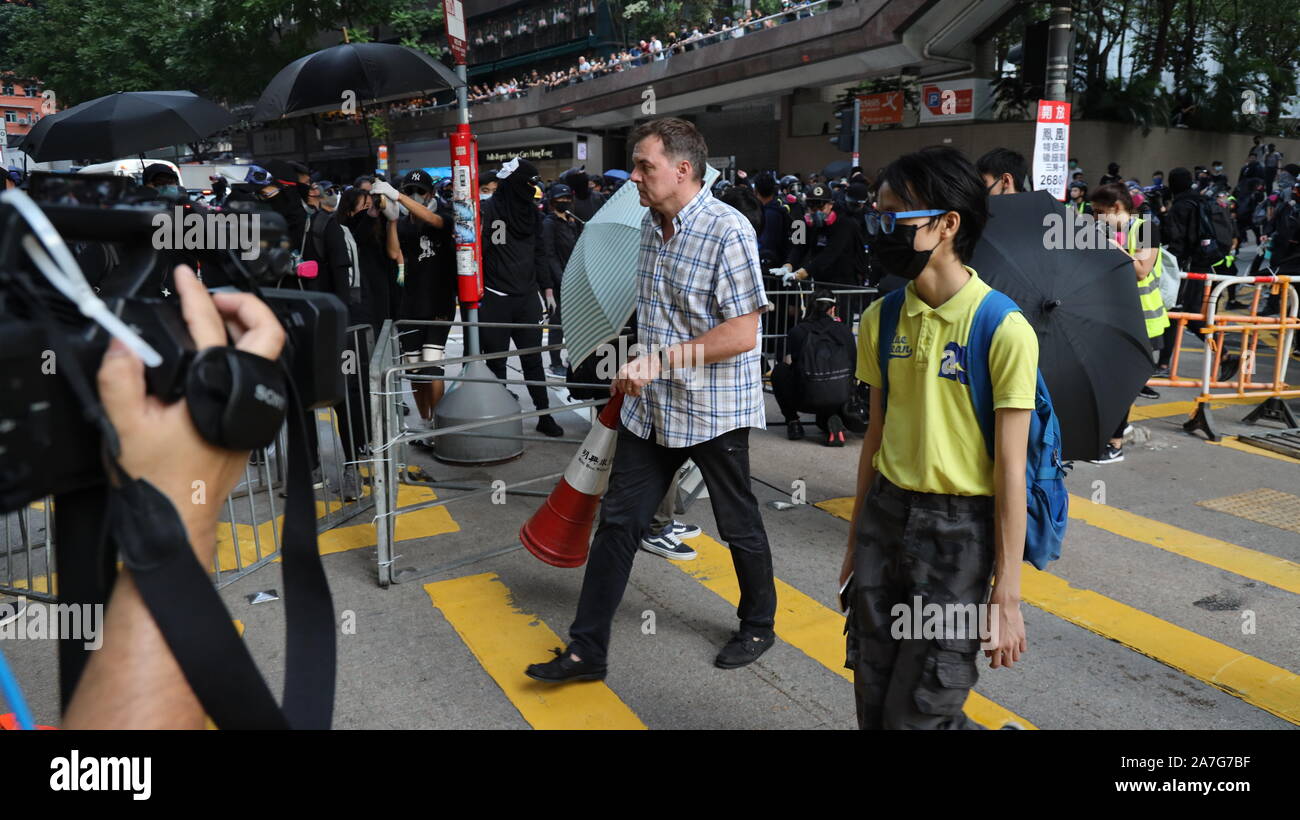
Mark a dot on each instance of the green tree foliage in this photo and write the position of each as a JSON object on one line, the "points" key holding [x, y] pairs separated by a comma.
{"points": [[224, 49], [1140, 61]]}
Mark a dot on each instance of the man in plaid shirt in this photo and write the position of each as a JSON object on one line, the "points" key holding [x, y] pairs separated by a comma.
{"points": [[695, 395]]}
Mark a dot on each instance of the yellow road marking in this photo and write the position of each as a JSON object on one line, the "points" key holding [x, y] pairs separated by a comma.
{"points": [[813, 628], [420, 524], [1259, 683], [1143, 412], [1248, 563], [506, 640], [1232, 443]]}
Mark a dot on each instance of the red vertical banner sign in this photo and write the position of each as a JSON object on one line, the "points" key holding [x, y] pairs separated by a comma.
{"points": [[1052, 148], [465, 208]]}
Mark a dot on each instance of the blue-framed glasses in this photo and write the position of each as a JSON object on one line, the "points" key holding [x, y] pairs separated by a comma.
{"points": [[884, 221]]}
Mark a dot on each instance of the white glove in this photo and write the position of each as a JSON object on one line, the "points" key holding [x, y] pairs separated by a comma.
{"points": [[777, 271], [383, 188], [549, 299], [390, 209], [787, 276]]}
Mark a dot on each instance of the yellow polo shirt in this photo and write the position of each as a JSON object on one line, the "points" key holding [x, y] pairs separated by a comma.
{"points": [[932, 439]]}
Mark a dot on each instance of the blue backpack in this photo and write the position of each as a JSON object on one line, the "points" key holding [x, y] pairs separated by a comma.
{"points": [[1048, 502]]}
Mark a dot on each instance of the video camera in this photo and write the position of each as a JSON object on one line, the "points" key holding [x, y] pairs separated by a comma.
{"points": [[51, 425]]}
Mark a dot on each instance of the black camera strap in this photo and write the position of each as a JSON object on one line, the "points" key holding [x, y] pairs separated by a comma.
{"points": [[195, 623]]}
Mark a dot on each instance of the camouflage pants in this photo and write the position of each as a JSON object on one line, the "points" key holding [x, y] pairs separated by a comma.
{"points": [[910, 545]]}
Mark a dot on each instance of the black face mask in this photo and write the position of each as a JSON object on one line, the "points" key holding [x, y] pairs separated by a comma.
{"points": [[561, 207], [897, 255]]}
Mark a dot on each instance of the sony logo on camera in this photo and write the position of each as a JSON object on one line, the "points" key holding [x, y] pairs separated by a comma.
{"points": [[266, 395]]}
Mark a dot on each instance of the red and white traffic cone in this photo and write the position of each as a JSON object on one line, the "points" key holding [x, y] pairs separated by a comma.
{"points": [[559, 532]]}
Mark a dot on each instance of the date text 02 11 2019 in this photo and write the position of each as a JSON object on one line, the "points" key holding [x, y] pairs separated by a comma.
{"points": [[1178, 762]]}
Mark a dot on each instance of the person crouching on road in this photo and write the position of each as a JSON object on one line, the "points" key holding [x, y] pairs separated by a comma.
{"points": [[831, 342], [699, 297], [935, 517]]}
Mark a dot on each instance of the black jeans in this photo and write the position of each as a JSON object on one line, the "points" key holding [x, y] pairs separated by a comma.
{"points": [[785, 386], [910, 545], [521, 309], [640, 477]]}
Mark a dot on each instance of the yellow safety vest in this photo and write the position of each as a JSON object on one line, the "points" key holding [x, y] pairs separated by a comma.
{"points": [[1153, 306]]}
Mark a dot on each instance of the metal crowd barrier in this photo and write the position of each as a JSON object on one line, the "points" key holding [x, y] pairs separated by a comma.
{"points": [[390, 377], [27, 560], [248, 534], [1251, 328], [790, 304]]}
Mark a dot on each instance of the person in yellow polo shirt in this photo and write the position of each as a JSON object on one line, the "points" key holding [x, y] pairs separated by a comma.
{"points": [[936, 521]]}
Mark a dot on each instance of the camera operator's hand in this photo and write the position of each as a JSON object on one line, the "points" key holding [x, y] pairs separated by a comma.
{"points": [[133, 680], [159, 441]]}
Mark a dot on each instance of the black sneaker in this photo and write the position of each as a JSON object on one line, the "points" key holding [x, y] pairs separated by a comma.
{"points": [[794, 430], [1148, 393], [1229, 364], [834, 432], [564, 668], [666, 546], [742, 650], [547, 426], [1113, 454]]}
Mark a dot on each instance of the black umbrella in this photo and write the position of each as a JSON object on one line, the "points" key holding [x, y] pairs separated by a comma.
{"points": [[1092, 340], [838, 168], [123, 124], [372, 72]]}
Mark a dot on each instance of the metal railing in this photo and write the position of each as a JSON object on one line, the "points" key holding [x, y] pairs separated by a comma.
{"points": [[389, 443]]}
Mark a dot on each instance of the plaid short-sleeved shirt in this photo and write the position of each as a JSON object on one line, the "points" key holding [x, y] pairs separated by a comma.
{"points": [[708, 272]]}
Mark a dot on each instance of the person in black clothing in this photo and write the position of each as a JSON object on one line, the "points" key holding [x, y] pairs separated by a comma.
{"points": [[1111, 175], [1217, 177], [424, 233], [819, 318], [833, 250], [585, 201], [1181, 231], [373, 248], [774, 233], [560, 231], [341, 269], [513, 273]]}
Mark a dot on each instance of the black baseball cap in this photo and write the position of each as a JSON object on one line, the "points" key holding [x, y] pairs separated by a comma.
{"points": [[560, 191], [158, 169], [818, 192], [418, 178]]}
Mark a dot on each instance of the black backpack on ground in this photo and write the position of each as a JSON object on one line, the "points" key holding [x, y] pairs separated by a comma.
{"points": [[825, 368]]}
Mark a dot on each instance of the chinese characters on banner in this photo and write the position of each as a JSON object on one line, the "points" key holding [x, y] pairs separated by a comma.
{"points": [[1052, 148]]}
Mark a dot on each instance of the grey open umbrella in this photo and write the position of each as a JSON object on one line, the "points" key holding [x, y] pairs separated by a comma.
{"points": [[124, 124], [370, 72]]}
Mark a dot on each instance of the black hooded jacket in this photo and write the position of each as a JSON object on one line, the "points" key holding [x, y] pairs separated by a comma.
{"points": [[514, 265], [585, 201]]}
